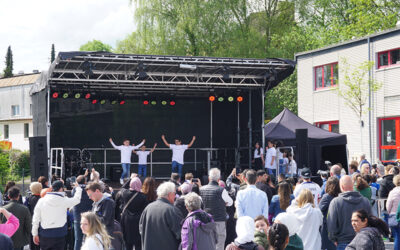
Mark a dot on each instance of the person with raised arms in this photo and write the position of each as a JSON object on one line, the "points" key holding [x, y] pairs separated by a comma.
{"points": [[178, 150]]}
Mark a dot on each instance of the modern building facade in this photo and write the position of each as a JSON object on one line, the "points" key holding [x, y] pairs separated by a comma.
{"points": [[16, 110], [319, 75]]}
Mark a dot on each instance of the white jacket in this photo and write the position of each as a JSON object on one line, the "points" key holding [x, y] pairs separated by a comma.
{"points": [[93, 242], [311, 219], [51, 210]]}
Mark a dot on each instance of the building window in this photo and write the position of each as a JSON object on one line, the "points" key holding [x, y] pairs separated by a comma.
{"points": [[331, 126], [389, 58], [326, 76], [26, 130], [389, 139], [6, 132], [15, 110]]}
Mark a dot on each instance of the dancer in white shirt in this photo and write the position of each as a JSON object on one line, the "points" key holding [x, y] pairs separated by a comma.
{"points": [[142, 155], [126, 154], [178, 150]]}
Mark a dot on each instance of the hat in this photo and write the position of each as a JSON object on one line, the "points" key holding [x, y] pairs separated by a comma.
{"points": [[57, 185], [306, 173]]}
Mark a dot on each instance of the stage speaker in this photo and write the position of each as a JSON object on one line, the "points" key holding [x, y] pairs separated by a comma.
{"points": [[116, 173], [38, 157], [302, 148]]}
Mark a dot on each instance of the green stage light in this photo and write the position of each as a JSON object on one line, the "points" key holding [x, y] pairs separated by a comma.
{"points": [[164, 103], [153, 102], [220, 99], [65, 95], [231, 99], [113, 102], [77, 95], [102, 101]]}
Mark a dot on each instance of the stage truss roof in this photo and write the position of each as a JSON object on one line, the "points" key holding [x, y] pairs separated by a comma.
{"points": [[135, 75]]}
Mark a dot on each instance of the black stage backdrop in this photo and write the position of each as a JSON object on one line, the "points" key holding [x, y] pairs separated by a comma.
{"points": [[76, 123]]}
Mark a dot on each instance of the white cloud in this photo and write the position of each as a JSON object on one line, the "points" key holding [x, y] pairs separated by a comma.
{"points": [[30, 27]]}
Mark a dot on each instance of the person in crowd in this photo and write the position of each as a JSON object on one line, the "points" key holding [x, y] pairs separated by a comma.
{"points": [[44, 181], [215, 199], [369, 178], [260, 236], [281, 178], [126, 154], [189, 177], [374, 183], [251, 201], [353, 167], [245, 235], [340, 211], [270, 159], [308, 184], [391, 207], [96, 236], [278, 236], [6, 199], [362, 161], [133, 202], [11, 226], [281, 201], [310, 218], [258, 159], [159, 224], [261, 184], [332, 190], [50, 215], [199, 230], [180, 202], [292, 167], [324, 178], [336, 171], [369, 231], [283, 163], [362, 186], [386, 184], [85, 205], [365, 169], [142, 155], [233, 182], [380, 171], [31, 201], [22, 236], [178, 151], [176, 179], [94, 175], [6, 242], [149, 189], [102, 205], [293, 225]]}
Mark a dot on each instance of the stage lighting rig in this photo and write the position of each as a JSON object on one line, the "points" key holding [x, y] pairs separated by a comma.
{"points": [[172, 103], [141, 71], [231, 99], [220, 98], [65, 95], [77, 95], [87, 68], [239, 98], [87, 96], [226, 73], [55, 95], [211, 98]]}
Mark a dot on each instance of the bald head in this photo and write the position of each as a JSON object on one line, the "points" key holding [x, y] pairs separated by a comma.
{"points": [[336, 170], [346, 184]]}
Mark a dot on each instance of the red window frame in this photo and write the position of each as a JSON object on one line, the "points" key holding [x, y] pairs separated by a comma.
{"points": [[318, 124], [397, 146], [323, 76], [389, 59]]}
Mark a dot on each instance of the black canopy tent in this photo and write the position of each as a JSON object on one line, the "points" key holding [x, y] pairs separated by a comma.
{"points": [[322, 145]]}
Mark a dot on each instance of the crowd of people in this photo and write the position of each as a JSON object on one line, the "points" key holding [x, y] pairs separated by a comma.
{"points": [[251, 209]]}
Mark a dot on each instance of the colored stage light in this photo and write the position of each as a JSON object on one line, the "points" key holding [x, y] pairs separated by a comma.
{"points": [[172, 103], [230, 98], [65, 95], [221, 99], [145, 102], [55, 95], [211, 98], [113, 102], [164, 103], [77, 95], [153, 102], [102, 101], [87, 96], [122, 102], [94, 101], [239, 99]]}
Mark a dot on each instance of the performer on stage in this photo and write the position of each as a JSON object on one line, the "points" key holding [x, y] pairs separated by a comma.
{"points": [[142, 155], [178, 149], [126, 153]]}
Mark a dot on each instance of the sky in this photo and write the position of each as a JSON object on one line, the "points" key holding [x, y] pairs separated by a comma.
{"points": [[31, 26]]}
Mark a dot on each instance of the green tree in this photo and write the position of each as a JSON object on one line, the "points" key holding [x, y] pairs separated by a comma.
{"points": [[52, 54], [8, 71], [96, 45]]}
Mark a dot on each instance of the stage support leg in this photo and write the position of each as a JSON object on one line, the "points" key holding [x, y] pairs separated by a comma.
{"points": [[263, 117], [105, 164], [238, 136], [250, 130], [48, 134], [211, 124]]}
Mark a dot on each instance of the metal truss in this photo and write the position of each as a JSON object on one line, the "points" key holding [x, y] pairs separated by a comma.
{"points": [[180, 75]]}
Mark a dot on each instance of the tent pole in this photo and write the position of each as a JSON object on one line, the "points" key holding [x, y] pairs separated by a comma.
{"points": [[250, 130]]}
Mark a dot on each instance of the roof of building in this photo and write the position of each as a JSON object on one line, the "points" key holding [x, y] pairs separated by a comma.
{"points": [[19, 80], [378, 34]]}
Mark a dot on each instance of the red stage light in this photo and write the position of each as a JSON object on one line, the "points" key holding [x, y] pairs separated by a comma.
{"points": [[122, 102], [94, 101], [87, 96], [211, 98], [55, 95], [239, 99], [145, 102], [172, 103]]}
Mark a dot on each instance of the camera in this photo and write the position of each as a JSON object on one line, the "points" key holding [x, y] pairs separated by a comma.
{"points": [[323, 173]]}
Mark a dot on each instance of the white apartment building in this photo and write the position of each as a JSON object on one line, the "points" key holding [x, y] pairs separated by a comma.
{"points": [[16, 110], [319, 75]]}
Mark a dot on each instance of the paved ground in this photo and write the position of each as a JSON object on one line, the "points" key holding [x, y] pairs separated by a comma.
{"points": [[389, 245]]}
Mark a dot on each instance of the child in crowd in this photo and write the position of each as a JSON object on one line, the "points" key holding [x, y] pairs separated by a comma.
{"points": [[292, 166], [260, 235], [142, 155]]}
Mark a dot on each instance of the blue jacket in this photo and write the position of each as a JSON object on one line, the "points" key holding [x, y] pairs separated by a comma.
{"points": [[84, 206]]}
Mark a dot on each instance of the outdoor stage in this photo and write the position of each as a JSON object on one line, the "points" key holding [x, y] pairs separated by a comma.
{"points": [[144, 96]]}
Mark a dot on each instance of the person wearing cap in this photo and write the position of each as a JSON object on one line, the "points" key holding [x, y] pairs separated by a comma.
{"points": [[308, 184], [50, 215]]}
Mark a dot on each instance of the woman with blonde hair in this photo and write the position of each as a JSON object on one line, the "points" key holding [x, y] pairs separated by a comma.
{"points": [[310, 219], [96, 234]]}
